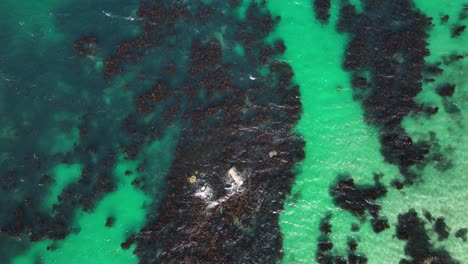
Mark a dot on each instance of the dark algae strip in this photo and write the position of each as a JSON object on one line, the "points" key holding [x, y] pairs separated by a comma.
{"points": [[386, 61]]}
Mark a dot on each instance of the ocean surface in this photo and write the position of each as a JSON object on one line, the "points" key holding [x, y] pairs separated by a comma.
{"points": [[233, 131]]}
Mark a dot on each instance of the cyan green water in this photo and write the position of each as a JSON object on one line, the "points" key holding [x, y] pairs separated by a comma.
{"points": [[36, 55]]}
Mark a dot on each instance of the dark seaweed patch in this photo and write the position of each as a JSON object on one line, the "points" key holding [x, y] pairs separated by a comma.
{"points": [[130, 240], [325, 225], [360, 198], [352, 244], [457, 30], [340, 260], [110, 221], [322, 9], [426, 109], [397, 184], [357, 198], [357, 259], [462, 233], [324, 244], [445, 89], [440, 161], [441, 228], [433, 70], [209, 103], [324, 258], [379, 224], [325, 255], [450, 107], [444, 19], [418, 246]]}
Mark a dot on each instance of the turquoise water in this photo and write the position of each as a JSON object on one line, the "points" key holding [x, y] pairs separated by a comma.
{"points": [[49, 93], [338, 140]]}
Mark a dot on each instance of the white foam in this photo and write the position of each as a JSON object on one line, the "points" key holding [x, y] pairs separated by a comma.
{"points": [[108, 14], [129, 18], [236, 180], [205, 193]]}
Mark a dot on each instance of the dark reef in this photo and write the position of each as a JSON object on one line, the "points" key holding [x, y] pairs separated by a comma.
{"points": [[207, 95]]}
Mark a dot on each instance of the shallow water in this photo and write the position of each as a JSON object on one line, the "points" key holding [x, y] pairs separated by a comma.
{"points": [[339, 141], [78, 181]]}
